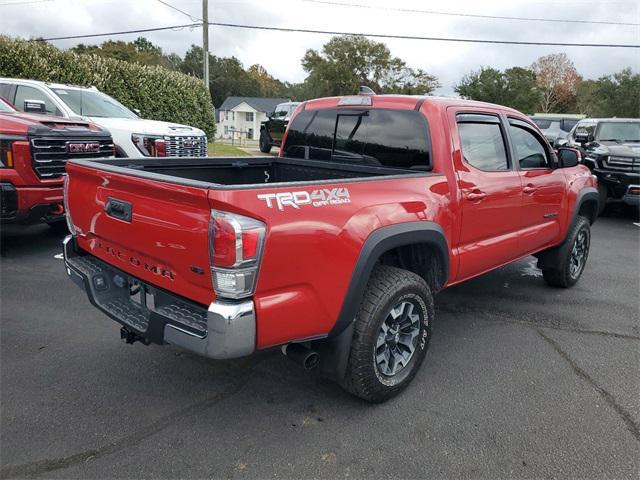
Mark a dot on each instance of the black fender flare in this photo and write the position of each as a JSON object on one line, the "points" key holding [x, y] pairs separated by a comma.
{"points": [[334, 350], [551, 257], [587, 194]]}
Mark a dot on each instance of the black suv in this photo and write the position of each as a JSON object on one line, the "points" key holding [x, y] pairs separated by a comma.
{"points": [[272, 130], [611, 149]]}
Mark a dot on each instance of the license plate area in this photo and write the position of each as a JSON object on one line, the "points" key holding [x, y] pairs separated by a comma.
{"points": [[142, 295]]}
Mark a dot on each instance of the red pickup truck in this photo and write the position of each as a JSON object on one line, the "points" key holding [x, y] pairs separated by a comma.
{"points": [[335, 249], [33, 150]]}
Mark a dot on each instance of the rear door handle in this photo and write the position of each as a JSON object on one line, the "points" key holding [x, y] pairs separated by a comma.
{"points": [[529, 189], [476, 195]]}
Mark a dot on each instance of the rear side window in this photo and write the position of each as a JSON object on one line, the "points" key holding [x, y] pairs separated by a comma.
{"points": [[482, 142], [390, 138]]}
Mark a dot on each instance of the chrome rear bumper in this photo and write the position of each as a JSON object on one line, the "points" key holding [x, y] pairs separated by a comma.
{"points": [[223, 330]]}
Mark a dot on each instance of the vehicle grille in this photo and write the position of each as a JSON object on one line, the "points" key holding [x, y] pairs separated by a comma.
{"points": [[623, 163], [186, 146], [49, 154]]}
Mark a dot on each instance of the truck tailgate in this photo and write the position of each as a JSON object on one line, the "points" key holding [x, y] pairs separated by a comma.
{"points": [[155, 231]]}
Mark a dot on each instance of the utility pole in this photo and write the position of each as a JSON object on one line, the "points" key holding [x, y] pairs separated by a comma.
{"points": [[205, 43]]}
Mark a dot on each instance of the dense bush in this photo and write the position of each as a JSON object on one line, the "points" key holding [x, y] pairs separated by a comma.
{"points": [[160, 94]]}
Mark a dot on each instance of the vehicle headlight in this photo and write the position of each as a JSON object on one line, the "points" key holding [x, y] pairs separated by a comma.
{"points": [[150, 145], [6, 154]]}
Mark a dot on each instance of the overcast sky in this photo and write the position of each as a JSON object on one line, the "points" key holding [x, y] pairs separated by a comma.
{"points": [[280, 53]]}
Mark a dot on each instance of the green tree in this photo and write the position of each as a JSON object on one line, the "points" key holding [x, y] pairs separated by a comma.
{"points": [[269, 86], [515, 87], [620, 94], [588, 100], [227, 76], [347, 62], [521, 91], [141, 51], [486, 85]]}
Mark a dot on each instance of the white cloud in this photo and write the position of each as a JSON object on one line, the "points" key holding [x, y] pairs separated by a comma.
{"points": [[281, 52]]}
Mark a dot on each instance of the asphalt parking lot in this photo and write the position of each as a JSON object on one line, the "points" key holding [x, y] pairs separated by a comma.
{"points": [[521, 380]]}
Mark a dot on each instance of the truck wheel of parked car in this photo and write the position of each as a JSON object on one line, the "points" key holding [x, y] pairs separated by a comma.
{"points": [[265, 145], [573, 254], [392, 332]]}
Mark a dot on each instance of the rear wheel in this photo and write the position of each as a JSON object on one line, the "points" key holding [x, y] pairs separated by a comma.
{"points": [[573, 256], [392, 333], [265, 144]]}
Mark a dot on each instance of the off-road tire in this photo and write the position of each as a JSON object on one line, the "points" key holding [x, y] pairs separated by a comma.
{"points": [[561, 275], [265, 144], [387, 287]]}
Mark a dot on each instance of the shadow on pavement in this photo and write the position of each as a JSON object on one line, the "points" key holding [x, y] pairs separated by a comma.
{"points": [[20, 240]]}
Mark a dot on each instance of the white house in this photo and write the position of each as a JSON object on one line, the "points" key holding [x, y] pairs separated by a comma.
{"points": [[240, 117]]}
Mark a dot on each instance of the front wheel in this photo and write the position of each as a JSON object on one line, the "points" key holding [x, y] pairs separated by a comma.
{"points": [[265, 144], [392, 332], [573, 256]]}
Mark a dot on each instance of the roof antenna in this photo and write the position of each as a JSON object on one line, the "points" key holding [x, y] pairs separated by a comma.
{"points": [[364, 90]]}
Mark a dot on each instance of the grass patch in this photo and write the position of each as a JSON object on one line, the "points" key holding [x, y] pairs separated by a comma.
{"points": [[221, 150]]}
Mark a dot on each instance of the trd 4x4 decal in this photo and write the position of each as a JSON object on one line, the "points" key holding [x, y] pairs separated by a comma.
{"points": [[316, 198]]}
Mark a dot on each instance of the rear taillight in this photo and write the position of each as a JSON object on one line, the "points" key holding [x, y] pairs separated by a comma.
{"points": [[6, 154], [236, 244], [67, 213]]}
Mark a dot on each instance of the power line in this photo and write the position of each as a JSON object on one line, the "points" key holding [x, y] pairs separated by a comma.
{"points": [[124, 32], [24, 2], [191, 17], [472, 15], [374, 35], [439, 39]]}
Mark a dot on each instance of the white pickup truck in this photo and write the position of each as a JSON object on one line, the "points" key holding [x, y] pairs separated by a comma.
{"points": [[132, 135]]}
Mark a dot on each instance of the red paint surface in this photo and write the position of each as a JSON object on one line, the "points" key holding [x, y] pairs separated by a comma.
{"points": [[310, 253]]}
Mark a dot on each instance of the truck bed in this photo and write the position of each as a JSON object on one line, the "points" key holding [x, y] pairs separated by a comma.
{"points": [[241, 172]]}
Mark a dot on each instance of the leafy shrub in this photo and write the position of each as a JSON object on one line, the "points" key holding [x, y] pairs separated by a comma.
{"points": [[158, 93]]}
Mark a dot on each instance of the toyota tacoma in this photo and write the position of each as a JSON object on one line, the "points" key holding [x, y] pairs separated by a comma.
{"points": [[334, 250]]}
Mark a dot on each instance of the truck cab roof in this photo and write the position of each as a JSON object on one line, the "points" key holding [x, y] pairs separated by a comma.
{"points": [[396, 101]]}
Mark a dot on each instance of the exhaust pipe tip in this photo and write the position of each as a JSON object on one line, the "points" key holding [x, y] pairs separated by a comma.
{"points": [[305, 357]]}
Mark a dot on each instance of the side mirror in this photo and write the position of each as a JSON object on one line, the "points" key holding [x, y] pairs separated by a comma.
{"points": [[568, 157], [583, 137], [137, 112], [35, 106]]}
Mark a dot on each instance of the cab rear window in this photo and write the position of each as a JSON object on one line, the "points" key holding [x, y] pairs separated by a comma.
{"points": [[390, 138]]}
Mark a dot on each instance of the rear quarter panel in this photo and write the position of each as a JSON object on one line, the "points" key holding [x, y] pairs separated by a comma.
{"points": [[311, 251]]}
